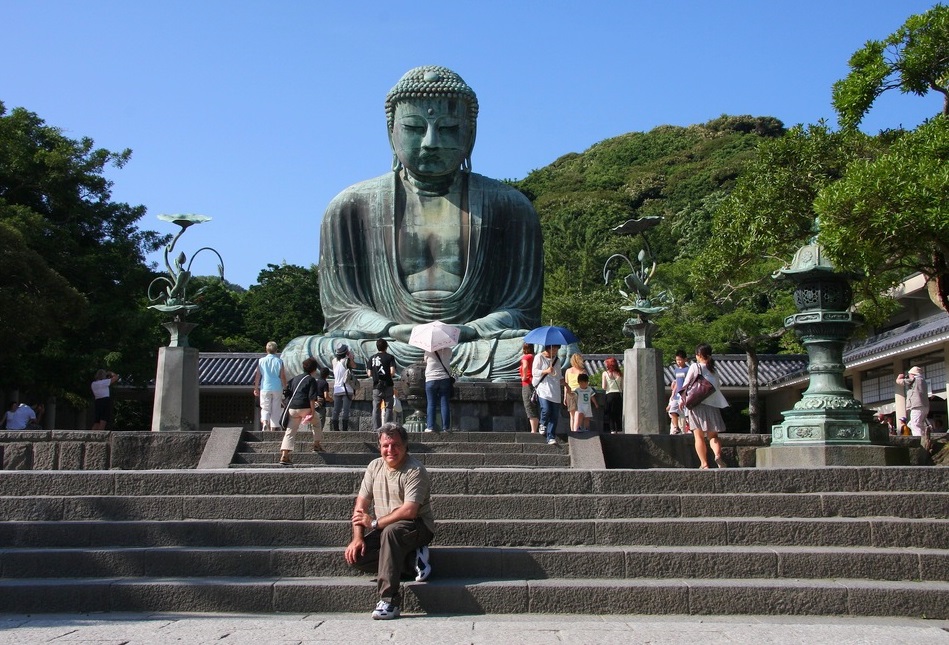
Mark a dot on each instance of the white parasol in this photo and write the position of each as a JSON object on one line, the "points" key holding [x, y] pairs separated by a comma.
{"points": [[434, 336]]}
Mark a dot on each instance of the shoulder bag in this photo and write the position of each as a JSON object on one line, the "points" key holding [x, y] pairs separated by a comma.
{"points": [[700, 389], [451, 379], [285, 417]]}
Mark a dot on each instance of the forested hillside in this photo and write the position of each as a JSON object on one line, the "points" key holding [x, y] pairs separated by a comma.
{"points": [[677, 173]]}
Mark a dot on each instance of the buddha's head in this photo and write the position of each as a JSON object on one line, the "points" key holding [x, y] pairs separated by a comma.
{"points": [[432, 116]]}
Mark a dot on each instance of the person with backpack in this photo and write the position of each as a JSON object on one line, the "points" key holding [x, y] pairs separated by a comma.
{"points": [[304, 394], [382, 371]]}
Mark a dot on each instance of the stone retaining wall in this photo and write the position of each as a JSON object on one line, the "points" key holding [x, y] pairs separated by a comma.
{"points": [[87, 450]]}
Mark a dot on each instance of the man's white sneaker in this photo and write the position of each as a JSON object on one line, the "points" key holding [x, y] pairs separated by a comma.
{"points": [[551, 441], [385, 611], [423, 568]]}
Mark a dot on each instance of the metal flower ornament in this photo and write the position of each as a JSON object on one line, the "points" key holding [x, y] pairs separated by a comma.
{"points": [[642, 304], [171, 292]]}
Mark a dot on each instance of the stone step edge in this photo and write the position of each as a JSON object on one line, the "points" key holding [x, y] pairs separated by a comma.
{"points": [[566, 550], [857, 597]]}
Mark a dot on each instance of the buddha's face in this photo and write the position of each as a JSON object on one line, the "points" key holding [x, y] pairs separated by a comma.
{"points": [[431, 136]]}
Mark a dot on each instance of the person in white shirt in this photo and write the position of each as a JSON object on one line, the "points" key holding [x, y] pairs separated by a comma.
{"points": [[103, 403]]}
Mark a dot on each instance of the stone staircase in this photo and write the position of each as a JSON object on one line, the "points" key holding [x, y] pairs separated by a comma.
{"points": [[834, 541], [435, 449]]}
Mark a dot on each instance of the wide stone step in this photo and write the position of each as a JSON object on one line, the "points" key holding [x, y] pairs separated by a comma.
{"points": [[700, 532], [482, 480], [444, 460], [487, 507], [689, 596], [415, 438], [303, 444], [490, 563]]}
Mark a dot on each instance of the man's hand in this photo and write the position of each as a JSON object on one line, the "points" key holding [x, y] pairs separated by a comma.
{"points": [[361, 518], [355, 550]]}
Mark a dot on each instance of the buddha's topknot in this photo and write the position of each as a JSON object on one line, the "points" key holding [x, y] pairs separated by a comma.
{"points": [[431, 81]]}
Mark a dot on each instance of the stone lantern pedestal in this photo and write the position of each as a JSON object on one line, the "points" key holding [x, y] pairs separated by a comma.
{"points": [[643, 385], [827, 427], [176, 383]]}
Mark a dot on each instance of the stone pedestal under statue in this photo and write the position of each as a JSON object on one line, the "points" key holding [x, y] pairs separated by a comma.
{"points": [[176, 390], [643, 392]]}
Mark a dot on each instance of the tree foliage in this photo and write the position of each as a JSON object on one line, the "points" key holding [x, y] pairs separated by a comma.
{"points": [[284, 304], [73, 249], [914, 59], [676, 173]]}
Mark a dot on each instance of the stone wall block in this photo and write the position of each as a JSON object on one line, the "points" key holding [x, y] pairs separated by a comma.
{"points": [[95, 456], [45, 456], [70, 455]]}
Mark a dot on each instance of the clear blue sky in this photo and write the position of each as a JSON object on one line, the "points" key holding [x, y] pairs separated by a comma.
{"points": [[257, 113]]}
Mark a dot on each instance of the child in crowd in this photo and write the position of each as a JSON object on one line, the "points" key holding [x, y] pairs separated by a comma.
{"points": [[674, 408], [586, 401]]}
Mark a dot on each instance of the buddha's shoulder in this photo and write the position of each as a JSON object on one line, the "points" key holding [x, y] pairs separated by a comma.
{"points": [[498, 188], [363, 190]]}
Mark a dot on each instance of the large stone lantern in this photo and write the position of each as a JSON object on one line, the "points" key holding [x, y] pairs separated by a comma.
{"points": [[828, 426]]}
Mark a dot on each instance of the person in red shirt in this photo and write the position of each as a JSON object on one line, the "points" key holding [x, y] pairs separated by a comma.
{"points": [[527, 390]]}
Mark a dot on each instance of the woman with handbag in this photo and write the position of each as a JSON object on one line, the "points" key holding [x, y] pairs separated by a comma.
{"points": [[547, 380], [704, 400], [301, 404]]}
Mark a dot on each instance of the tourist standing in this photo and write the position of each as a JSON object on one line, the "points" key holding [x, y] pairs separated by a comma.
{"points": [[917, 399], [706, 417], [102, 408], [392, 520], [674, 407], [527, 389], [270, 379], [546, 378], [570, 384], [302, 402], [438, 388], [343, 391], [382, 371], [612, 384]]}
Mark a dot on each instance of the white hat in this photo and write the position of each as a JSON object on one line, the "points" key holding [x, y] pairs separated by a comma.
{"points": [[916, 371]]}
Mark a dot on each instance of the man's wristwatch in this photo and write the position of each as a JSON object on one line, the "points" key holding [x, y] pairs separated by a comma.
{"points": [[374, 525]]}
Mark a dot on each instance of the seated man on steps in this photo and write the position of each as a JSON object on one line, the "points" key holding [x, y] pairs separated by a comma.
{"points": [[398, 489]]}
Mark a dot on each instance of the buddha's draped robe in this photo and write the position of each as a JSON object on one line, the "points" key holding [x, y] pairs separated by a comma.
{"points": [[363, 291]]}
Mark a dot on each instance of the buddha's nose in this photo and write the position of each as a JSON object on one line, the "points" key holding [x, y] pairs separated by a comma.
{"points": [[430, 140]]}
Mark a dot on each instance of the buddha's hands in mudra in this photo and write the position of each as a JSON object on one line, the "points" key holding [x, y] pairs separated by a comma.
{"points": [[403, 332]]}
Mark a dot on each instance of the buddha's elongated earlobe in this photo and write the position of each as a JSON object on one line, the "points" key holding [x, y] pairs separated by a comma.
{"points": [[396, 163]]}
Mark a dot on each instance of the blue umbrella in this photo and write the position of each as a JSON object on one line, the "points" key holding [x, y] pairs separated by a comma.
{"points": [[551, 335]]}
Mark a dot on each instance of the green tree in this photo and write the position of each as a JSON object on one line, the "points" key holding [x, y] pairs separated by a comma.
{"points": [[284, 304], [676, 173], [54, 196], [888, 211], [914, 59], [221, 318]]}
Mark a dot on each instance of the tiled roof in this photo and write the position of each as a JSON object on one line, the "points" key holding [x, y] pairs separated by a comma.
{"points": [[217, 369], [226, 368], [732, 369], [909, 334]]}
